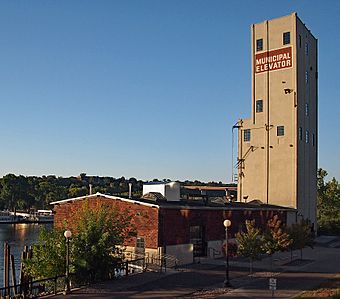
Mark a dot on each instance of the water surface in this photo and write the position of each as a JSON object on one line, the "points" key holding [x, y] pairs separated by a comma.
{"points": [[17, 235]]}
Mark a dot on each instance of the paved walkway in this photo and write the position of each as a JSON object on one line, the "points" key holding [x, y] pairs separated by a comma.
{"points": [[205, 280]]}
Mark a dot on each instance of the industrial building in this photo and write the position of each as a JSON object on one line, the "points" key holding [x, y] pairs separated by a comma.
{"points": [[168, 225], [277, 145]]}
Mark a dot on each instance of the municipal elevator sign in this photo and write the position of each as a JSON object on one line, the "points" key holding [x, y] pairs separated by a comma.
{"points": [[273, 60]]}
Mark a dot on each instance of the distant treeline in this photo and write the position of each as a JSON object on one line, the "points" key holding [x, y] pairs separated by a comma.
{"points": [[25, 192]]}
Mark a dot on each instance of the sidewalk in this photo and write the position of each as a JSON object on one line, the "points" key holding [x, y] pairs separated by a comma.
{"points": [[205, 280]]}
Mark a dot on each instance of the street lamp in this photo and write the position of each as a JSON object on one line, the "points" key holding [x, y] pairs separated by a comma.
{"points": [[67, 235], [226, 224]]}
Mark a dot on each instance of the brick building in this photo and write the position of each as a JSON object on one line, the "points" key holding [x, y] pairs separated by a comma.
{"points": [[184, 229]]}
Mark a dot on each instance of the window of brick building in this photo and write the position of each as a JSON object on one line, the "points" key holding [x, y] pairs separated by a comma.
{"points": [[140, 243]]}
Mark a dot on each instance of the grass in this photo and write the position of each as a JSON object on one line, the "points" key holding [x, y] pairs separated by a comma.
{"points": [[328, 289]]}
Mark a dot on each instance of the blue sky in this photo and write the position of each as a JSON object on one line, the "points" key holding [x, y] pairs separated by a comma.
{"points": [[144, 88]]}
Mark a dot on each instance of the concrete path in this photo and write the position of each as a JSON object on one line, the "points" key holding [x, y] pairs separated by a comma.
{"points": [[205, 280]]}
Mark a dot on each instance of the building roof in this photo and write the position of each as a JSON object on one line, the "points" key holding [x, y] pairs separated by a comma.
{"points": [[214, 188], [182, 204], [102, 195]]}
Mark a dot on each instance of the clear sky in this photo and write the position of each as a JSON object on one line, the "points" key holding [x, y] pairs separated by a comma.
{"points": [[143, 88]]}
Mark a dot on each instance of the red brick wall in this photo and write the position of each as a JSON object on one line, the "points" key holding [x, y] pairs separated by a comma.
{"points": [[175, 224], [144, 218]]}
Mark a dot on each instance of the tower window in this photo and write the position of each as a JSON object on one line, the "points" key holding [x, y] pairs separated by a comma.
{"points": [[259, 44], [259, 106], [280, 131], [307, 109], [286, 38], [299, 41], [246, 135], [306, 49], [307, 75], [300, 133], [307, 136]]}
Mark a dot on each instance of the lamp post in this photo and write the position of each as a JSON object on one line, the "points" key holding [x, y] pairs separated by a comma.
{"points": [[226, 224], [67, 235]]}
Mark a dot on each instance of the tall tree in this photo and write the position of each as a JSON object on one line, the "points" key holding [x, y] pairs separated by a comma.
{"points": [[301, 235], [276, 239], [250, 242], [100, 231], [328, 211]]}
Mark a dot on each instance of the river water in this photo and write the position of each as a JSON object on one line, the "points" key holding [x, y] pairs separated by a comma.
{"points": [[17, 235]]}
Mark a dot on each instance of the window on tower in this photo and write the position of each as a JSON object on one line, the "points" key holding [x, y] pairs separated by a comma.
{"points": [[259, 106], [286, 38], [246, 135], [299, 41], [259, 44], [280, 131], [307, 136], [307, 109], [300, 133]]}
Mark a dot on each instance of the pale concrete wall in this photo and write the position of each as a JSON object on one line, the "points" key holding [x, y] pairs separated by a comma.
{"points": [[215, 249], [281, 170], [169, 190], [154, 188], [172, 191], [183, 252]]}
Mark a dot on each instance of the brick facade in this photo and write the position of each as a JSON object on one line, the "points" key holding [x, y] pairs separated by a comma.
{"points": [[165, 225], [144, 218], [175, 228]]}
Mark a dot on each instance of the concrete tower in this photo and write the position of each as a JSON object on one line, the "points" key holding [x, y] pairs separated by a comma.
{"points": [[277, 146]]}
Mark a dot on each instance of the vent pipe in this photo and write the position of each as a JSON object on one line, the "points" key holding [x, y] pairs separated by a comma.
{"points": [[90, 185], [130, 190]]}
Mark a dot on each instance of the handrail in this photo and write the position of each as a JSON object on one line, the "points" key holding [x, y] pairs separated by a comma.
{"points": [[54, 285]]}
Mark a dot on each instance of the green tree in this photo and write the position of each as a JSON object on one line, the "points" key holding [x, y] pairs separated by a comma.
{"points": [[96, 245], [48, 258], [301, 236], [250, 242], [100, 231], [275, 238], [328, 205], [76, 191]]}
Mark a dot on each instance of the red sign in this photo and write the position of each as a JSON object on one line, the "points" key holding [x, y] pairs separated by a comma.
{"points": [[273, 60]]}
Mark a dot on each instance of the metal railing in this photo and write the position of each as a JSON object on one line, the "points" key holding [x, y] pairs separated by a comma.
{"points": [[55, 285], [34, 289], [154, 262]]}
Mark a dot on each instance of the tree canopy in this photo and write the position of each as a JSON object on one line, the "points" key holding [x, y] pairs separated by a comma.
{"points": [[98, 235], [328, 205], [22, 193]]}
